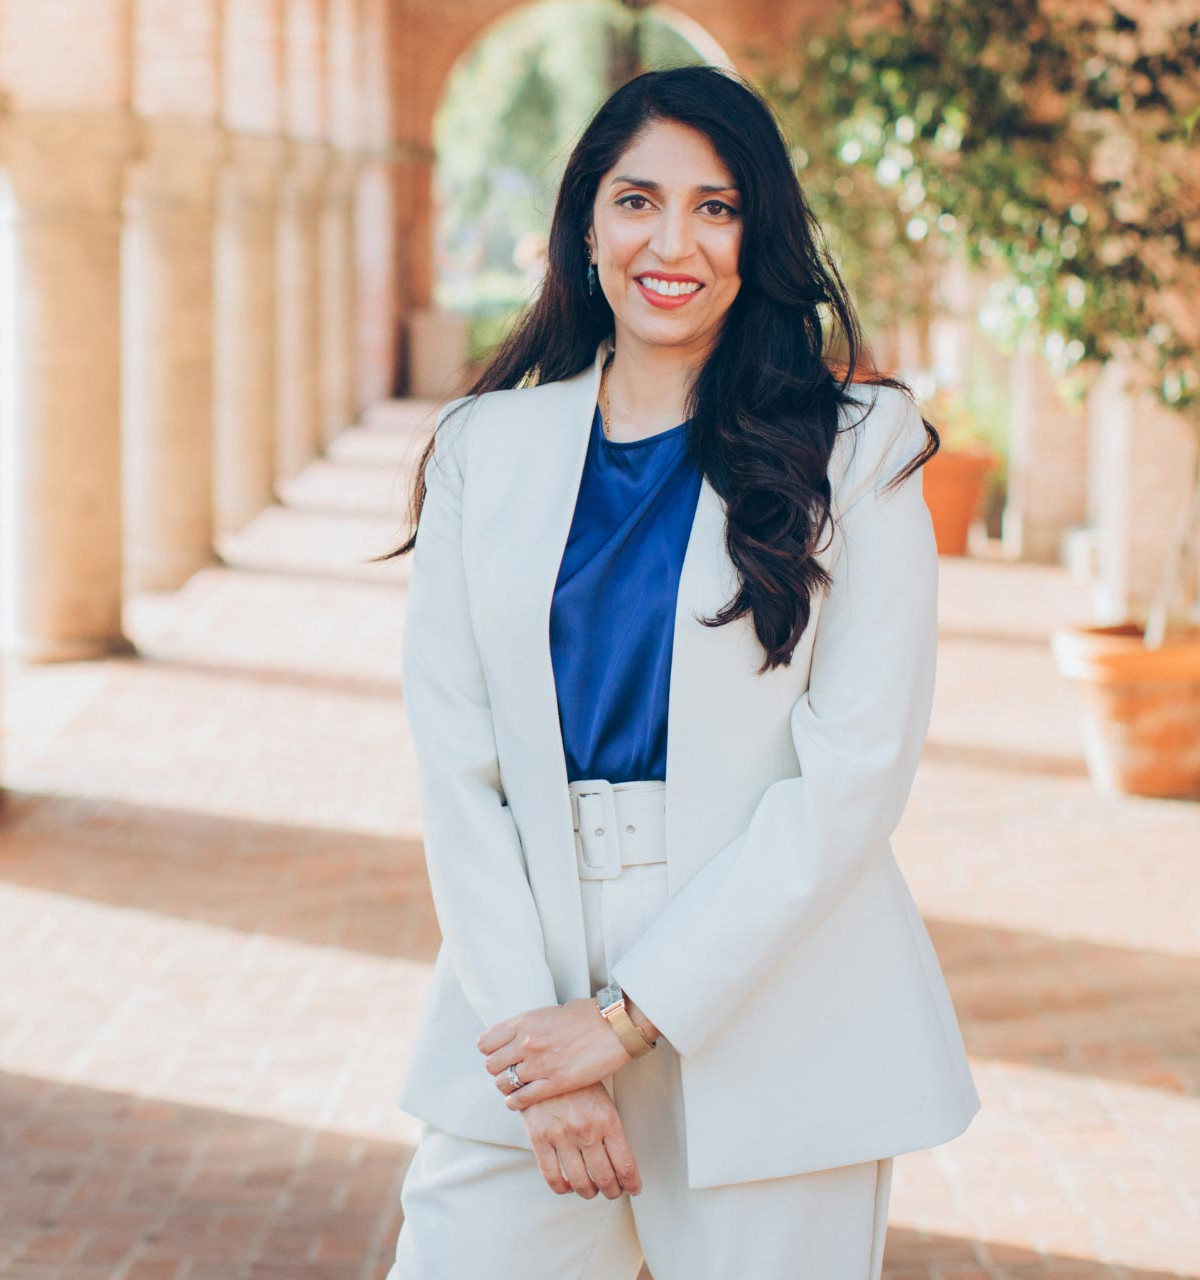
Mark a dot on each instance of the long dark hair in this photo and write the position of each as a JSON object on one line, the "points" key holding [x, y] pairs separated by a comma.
{"points": [[766, 400]]}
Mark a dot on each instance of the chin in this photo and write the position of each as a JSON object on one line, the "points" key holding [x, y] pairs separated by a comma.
{"points": [[665, 334]]}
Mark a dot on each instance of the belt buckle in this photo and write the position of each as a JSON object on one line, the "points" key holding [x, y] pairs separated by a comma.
{"points": [[595, 810]]}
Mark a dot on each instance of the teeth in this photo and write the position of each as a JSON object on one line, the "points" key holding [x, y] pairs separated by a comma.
{"points": [[669, 289]]}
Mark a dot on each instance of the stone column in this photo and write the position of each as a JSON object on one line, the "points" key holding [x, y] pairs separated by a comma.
{"points": [[245, 329], [60, 382], [1047, 465], [299, 307], [169, 354], [377, 315], [356, 35], [338, 407], [377, 311], [1144, 458], [412, 186]]}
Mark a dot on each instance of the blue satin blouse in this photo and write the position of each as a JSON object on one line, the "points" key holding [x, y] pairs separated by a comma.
{"points": [[612, 616]]}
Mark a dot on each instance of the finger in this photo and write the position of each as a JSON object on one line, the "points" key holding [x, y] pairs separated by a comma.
{"points": [[623, 1162], [534, 1091], [508, 1055], [547, 1159], [538, 1088], [506, 1086], [575, 1171], [600, 1169], [491, 1039]]}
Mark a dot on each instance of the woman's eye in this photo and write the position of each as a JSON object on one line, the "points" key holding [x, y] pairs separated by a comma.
{"points": [[719, 205]]}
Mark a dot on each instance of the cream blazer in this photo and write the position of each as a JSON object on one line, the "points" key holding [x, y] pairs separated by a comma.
{"points": [[790, 969]]}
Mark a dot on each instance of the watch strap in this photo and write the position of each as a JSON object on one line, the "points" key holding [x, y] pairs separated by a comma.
{"points": [[611, 1002]]}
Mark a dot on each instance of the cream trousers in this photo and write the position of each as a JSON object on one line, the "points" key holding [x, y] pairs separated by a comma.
{"points": [[481, 1211]]}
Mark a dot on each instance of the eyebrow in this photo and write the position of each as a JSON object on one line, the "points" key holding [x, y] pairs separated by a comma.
{"points": [[654, 186]]}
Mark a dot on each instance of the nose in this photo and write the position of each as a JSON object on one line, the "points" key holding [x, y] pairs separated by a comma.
{"points": [[672, 237]]}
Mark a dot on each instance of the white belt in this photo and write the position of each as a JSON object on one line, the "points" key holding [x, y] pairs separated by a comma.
{"points": [[617, 824]]}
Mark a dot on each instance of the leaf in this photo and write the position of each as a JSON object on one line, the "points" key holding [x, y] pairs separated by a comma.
{"points": [[1189, 124]]}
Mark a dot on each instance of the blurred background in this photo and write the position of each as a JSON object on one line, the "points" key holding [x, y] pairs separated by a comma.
{"points": [[247, 247]]}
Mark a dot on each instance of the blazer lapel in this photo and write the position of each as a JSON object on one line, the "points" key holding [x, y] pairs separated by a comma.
{"points": [[699, 663], [707, 577], [707, 581], [519, 544]]}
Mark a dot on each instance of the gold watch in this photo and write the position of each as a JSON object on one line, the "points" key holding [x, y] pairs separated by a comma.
{"points": [[611, 1001]]}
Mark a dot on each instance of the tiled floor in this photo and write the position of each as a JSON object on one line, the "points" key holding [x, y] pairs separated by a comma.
{"points": [[216, 933]]}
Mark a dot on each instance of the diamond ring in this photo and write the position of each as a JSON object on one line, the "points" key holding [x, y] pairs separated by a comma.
{"points": [[511, 1073]]}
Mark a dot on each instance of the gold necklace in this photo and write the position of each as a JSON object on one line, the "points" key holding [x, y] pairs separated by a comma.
{"points": [[605, 417]]}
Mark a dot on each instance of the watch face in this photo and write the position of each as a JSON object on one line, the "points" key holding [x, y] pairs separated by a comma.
{"points": [[609, 996]]}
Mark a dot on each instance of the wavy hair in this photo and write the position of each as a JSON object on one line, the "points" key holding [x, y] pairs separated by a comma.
{"points": [[766, 400]]}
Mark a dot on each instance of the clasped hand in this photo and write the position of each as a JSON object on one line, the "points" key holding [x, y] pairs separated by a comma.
{"points": [[555, 1048], [564, 1052]]}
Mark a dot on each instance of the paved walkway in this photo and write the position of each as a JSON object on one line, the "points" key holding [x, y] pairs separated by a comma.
{"points": [[216, 933]]}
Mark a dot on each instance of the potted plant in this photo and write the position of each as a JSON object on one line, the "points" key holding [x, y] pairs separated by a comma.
{"points": [[1141, 708], [1140, 681], [956, 479], [1054, 146]]}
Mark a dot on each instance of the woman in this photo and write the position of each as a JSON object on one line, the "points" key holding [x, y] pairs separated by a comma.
{"points": [[668, 664]]}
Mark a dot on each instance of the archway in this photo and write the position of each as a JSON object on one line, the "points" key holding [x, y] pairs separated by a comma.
{"points": [[513, 106], [754, 37]]}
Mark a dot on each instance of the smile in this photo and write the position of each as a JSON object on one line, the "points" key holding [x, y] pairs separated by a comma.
{"points": [[667, 293]]}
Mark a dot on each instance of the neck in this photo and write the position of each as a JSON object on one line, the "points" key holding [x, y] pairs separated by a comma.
{"points": [[648, 383]]}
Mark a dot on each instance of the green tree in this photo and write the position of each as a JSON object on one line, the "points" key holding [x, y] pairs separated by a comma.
{"points": [[1054, 145]]}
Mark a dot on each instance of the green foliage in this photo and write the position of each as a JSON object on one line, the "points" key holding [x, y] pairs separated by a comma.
{"points": [[1056, 148], [514, 106], [485, 331], [966, 420]]}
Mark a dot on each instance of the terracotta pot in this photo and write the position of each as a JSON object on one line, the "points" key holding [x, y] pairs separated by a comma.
{"points": [[954, 482], [1141, 708]]}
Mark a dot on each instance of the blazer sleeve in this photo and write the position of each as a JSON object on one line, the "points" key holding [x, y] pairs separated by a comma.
{"points": [[858, 731], [484, 904]]}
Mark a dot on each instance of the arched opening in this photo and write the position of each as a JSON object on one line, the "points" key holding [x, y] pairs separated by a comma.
{"points": [[511, 109]]}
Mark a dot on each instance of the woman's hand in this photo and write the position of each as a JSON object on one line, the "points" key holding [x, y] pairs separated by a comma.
{"points": [[555, 1048], [580, 1144]]}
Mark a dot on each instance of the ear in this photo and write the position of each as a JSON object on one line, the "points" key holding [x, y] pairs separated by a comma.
{"points": [[590, 239]]}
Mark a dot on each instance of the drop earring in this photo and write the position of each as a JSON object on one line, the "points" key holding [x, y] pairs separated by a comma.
{"points": [[591, 275]]}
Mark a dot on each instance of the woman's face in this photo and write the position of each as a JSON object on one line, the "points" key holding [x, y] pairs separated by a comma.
{"points": [[666, 211]]}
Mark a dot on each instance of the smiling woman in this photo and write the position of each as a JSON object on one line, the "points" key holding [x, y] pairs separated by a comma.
{"points": [[632, 596], [664, 244]]}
